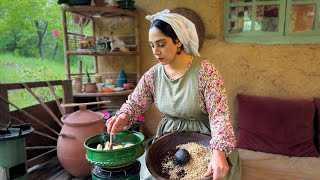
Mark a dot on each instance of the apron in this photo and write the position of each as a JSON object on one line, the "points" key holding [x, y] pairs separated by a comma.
{"points": [[179, 102]]}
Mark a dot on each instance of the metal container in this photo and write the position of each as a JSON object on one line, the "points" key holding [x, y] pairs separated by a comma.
{"points": [[13, 152], [115, 157], [130, 172]]}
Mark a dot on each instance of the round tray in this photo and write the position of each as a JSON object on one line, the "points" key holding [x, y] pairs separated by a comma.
{"points": [[116, 157], [167, 144]]}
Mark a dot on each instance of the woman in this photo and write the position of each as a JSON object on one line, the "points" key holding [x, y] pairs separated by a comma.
{"points": [[187, 89]]}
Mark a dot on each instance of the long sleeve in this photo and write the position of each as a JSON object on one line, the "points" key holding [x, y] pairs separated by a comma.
{"points": [[213, 101], [141, 98]]}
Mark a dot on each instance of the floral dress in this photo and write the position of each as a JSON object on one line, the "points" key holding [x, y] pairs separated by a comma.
{"points": [[194, 102]]}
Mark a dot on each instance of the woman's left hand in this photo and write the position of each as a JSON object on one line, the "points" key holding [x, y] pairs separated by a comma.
{"points": [[218, 165]]}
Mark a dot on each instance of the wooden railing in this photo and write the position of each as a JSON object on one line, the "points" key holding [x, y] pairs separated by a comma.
{"points": [[44, 117]]}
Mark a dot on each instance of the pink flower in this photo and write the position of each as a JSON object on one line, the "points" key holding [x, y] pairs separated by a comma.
{"points": [[140, 118], [106, 114], [55, 32]]}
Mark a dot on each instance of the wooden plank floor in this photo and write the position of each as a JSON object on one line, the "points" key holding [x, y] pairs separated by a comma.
{"points": [[52, 170]]}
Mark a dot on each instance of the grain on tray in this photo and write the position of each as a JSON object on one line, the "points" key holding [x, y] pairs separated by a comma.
{"points": [[194, 169]]}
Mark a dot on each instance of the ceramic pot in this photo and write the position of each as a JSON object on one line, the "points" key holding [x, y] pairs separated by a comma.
{"points": [[90, 87], [122, 78], [78, 84], [80, 20], [77, 128]]}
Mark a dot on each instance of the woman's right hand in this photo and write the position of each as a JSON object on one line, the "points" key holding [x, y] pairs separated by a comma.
{"points": [[117, 123]]}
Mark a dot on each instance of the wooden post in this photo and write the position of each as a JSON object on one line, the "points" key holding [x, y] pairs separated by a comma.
{"points": [[4, 107], [80, 69], [136, 23], [95, 60], [67, 95], [65, 43]]}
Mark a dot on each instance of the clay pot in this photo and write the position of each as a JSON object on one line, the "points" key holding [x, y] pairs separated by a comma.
{"points": [[80, 20], [99, 2], [78, 84], [77, 128], [90, 87]]}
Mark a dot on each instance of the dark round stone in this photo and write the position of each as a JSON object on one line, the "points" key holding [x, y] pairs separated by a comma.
{"points": [[182, 157]]}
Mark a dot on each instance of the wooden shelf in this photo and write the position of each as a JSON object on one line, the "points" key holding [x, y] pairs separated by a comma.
{"points": [[100, 11], [105, 53], [73, 44], [107, 94]]}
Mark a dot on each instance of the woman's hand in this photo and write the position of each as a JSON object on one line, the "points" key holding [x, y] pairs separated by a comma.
{"points": [[117, 123], [218, 165]]}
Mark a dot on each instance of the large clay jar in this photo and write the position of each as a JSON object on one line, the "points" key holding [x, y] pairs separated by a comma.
{"points": [[77, 128]]}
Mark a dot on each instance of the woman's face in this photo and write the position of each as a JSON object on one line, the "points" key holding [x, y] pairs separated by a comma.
{"points": [[163, 48]]}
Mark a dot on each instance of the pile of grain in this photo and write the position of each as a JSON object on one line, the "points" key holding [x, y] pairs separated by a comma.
{"points": [[194, 169]]}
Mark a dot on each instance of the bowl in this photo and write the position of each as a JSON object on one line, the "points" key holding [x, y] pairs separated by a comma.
{"points": [[99, 86], [116, 157], [127, 85], [167, 145], [109, 81]]}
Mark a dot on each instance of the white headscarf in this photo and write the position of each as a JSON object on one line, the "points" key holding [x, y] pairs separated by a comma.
{"points": [[183, 27]]}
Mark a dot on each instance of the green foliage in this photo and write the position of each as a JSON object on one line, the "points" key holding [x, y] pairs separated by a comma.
{"points": [[88, 75], [19, 69], [19, 32], [43, 73]]}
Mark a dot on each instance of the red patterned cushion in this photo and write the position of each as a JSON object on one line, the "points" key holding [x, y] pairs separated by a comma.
{"points": [[276, 125], [317, 101]]}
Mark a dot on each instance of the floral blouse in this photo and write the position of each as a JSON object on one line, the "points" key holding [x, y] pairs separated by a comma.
{"points": [[213, 101]]}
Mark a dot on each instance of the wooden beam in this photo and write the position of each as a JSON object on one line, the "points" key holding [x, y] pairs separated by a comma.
{"points": [[4, 106], [40, 147], [98, 10], [67, 95], [45, 135], [65, 42], [12, 86], [42, 158], [79, 69], [29, 115], [55, 97], [45, 107]]}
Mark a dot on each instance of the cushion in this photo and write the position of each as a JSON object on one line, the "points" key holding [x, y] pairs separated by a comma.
{"points": [[276, 125], [317, 123]]}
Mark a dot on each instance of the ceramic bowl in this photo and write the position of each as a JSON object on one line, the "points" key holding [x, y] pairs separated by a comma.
{"points": [[109, 81], [99, 86], [127, 85]]}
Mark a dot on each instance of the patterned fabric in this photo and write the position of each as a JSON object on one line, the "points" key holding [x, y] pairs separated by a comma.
{"points": [[213, 101]]}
